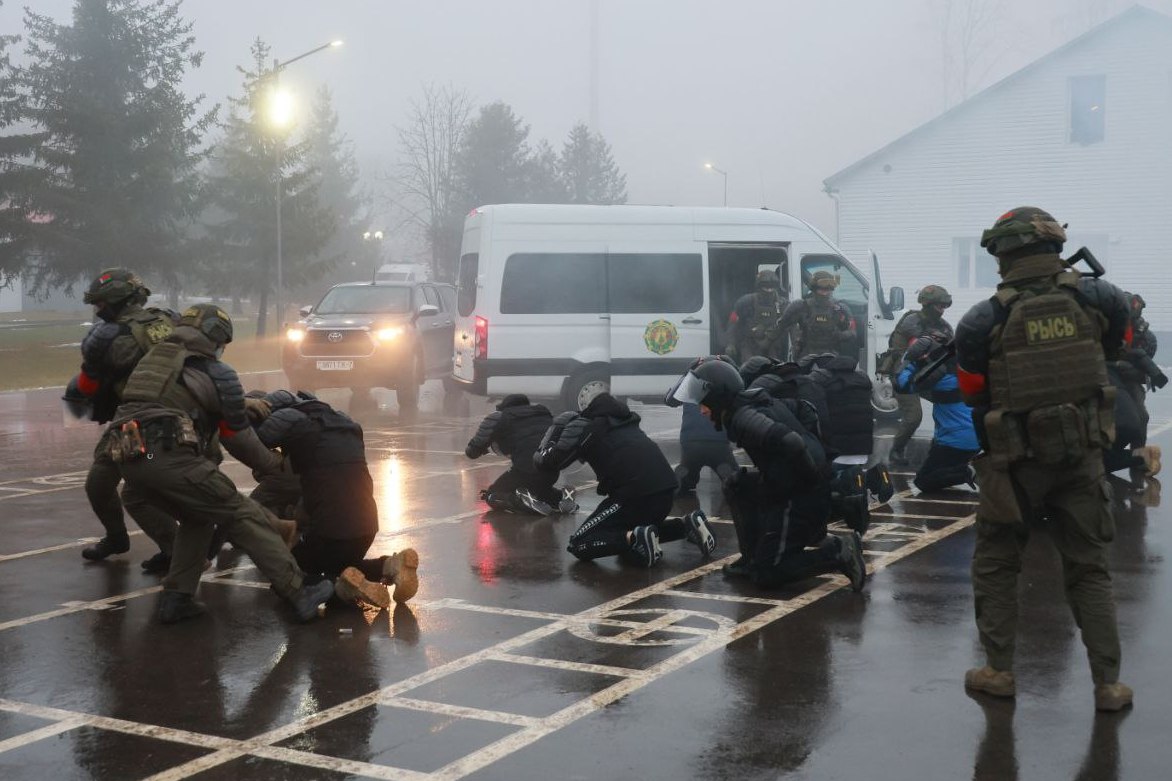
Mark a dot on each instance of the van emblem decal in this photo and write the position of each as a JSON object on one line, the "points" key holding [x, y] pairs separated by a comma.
{"points": [[661, 337]]}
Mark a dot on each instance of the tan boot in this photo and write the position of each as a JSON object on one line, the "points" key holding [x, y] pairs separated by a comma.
{"points": [[288, 531], [995, 682], [353, 586], [399, 571], [1151, 456], [1112, 696]]}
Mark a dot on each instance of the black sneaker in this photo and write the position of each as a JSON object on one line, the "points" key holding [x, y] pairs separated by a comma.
{"points": [[700, 533], [972, 481], [157, 564], [532, 503], [306, 600], [736, 569], [176, 606], [107, 546], [645, 545], [851, 561], [567, 505]]}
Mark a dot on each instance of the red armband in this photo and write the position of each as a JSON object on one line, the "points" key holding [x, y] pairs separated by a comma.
{"points": [[732, 317], [970, 384], [1129, 335], [87, 384], [225, 432]]}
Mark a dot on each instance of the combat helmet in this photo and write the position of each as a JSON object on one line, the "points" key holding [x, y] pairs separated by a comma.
{"points": [[1025, 226], [823, 279], [934, 294], [209, 320], [712, 381], [766, 281], [115, 287]]}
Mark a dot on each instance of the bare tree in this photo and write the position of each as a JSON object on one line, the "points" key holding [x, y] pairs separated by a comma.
{"points": [[968, 32], [429, 145]]}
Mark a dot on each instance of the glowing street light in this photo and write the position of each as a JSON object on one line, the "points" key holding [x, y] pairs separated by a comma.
{"points": [[711, 167], [281, 107]]}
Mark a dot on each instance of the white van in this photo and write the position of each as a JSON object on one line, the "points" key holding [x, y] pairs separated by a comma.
{"points": [[564, 302]]}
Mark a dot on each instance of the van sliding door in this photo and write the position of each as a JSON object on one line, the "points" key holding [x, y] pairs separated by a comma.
{"points": [[732, 272], [658, 314]]}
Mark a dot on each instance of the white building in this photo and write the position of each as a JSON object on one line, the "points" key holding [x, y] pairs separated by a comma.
{"points": [[1085, 132]]}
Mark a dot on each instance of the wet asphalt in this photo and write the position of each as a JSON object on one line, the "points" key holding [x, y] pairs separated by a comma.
{"points": [[515, 661]]}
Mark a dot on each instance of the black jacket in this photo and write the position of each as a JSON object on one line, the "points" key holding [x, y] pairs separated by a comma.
{"points": [[515, 431], [789, 455]]}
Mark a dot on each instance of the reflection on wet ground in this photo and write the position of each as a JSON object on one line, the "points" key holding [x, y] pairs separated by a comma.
{"points": [[517, 661]]}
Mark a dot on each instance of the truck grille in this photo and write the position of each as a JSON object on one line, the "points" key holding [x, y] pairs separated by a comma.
{"points": [[351, 344]]}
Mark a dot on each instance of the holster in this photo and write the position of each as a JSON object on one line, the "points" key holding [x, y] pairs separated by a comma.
{"points": [[999, 502], [127, 442]]}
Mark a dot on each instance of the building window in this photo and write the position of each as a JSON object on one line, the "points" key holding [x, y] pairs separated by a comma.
{"points": [[1088, 109], [975, 268]]}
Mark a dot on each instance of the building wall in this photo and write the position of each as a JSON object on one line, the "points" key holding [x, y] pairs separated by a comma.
{"points": [[1008, 147]]}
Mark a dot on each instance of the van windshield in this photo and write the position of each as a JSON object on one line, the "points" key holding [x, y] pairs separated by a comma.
{"points": [[368, 299]]}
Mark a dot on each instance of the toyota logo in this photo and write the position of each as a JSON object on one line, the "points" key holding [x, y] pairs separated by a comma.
{"points": [[335, 336]]}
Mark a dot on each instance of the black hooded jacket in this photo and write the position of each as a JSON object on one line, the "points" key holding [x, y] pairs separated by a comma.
{"points": [[516, 431], [625, 460]]}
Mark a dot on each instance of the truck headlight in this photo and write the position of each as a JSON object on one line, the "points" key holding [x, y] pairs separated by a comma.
{"points": [[388, 334], [295, 334]]}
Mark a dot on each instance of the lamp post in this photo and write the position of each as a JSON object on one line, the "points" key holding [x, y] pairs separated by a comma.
{"points": [[375, 236], [711, 167], [281, 114]]}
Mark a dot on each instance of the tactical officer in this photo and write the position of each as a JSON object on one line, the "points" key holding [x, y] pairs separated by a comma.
{"points": [[824, 324], [327, 453], [125, 331], [515, 430], [633, 475], [1042, 440], [753, 324], [781, 508], [175, 401], [954, 440], [1133, 374], [928, 319]]}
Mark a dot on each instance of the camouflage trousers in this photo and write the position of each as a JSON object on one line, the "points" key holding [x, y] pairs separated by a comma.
{"points": [[201, 497], [1073, 503], [911, 414], [101, 488]]}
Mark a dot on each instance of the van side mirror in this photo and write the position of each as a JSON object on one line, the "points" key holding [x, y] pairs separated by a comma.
{"points": [[895, 299], [305, 311], [425, 310]]}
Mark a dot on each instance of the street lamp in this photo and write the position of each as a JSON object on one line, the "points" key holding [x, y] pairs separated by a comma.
{"points": [[281, 115], [711, 167], [375, 236]]}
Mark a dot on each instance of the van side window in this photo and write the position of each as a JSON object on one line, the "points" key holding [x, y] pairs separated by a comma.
{"points": [[852, 288], [466, 283], [652, 282], [553, 283]]}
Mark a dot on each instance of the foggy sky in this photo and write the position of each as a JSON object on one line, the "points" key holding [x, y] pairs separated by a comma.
{"points": [[780, 94]]}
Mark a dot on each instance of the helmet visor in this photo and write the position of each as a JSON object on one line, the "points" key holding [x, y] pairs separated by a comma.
{"points": [[690, 389]]}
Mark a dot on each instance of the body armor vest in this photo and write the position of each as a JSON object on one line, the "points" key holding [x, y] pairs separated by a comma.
{"points": [[763, 330], [338, 439], [1048, 351], [148, 327], [849, 426], [154, 388], [820, 332]]}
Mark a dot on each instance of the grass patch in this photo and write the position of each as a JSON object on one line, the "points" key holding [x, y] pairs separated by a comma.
{"points": [[45, 351]]}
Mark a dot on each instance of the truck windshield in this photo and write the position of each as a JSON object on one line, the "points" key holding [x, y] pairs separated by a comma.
{"points": [[368, 299]]}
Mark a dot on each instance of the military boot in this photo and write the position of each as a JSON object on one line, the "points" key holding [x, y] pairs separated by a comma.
{"points": [[995, 682], [352, 586], [399, 570], [288, 531], [176, 606], [107, 546], [1151, 460], [157, 564], [1112, 696]]}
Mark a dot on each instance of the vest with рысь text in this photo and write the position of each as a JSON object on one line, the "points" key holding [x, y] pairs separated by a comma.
{"points": [[1048, 385], [148, 327], [820, 331]]}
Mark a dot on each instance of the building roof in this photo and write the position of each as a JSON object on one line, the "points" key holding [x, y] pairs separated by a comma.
{"points": [[1136, 14]]}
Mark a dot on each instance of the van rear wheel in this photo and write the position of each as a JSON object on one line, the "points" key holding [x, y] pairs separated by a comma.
{"points": [[583, 387]]}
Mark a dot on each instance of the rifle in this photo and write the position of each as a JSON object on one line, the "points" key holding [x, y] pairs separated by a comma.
{"points": [[935, 360], [1085, 255]]}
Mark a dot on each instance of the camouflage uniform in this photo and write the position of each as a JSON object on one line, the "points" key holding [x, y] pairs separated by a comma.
{"points": [[824, 325], [753, 324], [1042, 441], [110, 351], [934, 299]]}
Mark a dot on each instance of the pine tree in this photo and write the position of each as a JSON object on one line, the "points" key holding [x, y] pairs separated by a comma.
{"points": [[116, 179], [494, 161], [331, 155], [18, 177], [544, 183], [588, 171], [248, 165]]}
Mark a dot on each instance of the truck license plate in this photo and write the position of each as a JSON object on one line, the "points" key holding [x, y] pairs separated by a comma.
{"points": [[335, 366]]}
